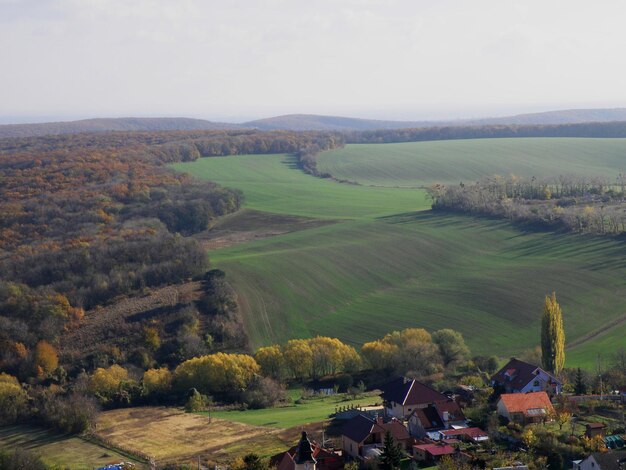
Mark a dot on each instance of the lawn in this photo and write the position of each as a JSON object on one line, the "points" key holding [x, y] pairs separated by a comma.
{"points": [[387, 263], [71, 452], [452, 161], [310, 411]]}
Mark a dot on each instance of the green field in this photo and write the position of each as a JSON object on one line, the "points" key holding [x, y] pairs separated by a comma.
{"points": [[452, 161], [70, 452], [310, 411], [387, 263]]}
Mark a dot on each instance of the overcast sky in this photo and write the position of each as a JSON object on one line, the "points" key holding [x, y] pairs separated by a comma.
{"points": [[239, 59]]}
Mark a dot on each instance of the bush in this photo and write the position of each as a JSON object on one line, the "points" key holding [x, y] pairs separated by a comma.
{"points": [[264, 393]]}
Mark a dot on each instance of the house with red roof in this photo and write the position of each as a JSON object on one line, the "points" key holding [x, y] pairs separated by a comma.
{"points": [[403, 396], [475, 435], [521, 377], [432, 453], [532, 407], [362, 437]]}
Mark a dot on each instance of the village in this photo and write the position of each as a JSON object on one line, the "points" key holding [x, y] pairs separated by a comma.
{"points": [[526, 422]]}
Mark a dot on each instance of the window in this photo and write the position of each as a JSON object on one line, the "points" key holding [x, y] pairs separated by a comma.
{"points": [[536, 383]]}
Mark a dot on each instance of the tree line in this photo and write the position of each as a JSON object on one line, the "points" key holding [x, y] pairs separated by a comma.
{"points": [[584, 205]]}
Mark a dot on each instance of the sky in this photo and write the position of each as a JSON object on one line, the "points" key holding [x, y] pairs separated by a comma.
{"points": [[234, 60]]}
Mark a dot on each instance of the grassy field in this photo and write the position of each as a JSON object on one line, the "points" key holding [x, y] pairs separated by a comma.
{"points": [[311, 411], [272, 183], [452, 161], [168, 434], [71, 452], [385, 265]]}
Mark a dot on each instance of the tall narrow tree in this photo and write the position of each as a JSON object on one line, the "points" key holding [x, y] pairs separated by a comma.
{"points": [[552, 335]]}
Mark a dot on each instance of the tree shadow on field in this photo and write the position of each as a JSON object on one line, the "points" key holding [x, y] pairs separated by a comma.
{"points": [[292, 162]]}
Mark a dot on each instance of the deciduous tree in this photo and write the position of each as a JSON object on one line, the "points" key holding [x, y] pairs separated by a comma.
{"points": [[552, 335]]}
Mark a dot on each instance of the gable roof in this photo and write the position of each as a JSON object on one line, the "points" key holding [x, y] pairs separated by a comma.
{"points": [[609, 460], [472, 433], [410, 392], [360, 427], [518, 374], [530, 404], [429, 418], [436, 449]]}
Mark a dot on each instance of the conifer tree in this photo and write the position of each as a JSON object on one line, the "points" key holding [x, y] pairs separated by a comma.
{"points": [[391, 455], [580, 388], [552, 336]]}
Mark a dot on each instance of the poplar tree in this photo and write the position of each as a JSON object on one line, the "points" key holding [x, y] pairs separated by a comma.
{"points": [[552, 336]]}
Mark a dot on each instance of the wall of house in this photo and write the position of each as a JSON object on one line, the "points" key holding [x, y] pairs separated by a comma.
{"points": [[350, 447], [588, 464], [541, 382], [502, 411], [415, 427]]}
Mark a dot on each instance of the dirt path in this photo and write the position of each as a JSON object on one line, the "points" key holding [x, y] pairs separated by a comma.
{"points": [[604, 329]]}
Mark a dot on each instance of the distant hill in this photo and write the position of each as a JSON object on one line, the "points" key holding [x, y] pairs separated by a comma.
{"points": [[301, 122], [111, 124]]}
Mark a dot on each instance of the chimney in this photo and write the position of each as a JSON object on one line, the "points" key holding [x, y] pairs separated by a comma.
{"points": [[446, 416], [379, 420]]}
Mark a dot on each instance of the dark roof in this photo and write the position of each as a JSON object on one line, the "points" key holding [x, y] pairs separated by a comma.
{"points": [[410, 392], [429, 418], [358, 428], [453, 409], [304, 452], [396, 428], [517, 374], [596, 425], [610, 460]]}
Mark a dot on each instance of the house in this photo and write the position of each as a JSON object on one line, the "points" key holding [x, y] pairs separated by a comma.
{"points": [[474, 435], [402, 396], [521, 377], [615, 460], [308, 455], [432, 453], [435, 417], [595, 429], [363, 437], [524, 408]]}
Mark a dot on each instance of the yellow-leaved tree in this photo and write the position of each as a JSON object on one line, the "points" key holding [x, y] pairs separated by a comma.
{"points": [[552, 336]]}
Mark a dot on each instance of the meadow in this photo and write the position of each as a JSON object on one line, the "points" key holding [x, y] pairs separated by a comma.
{"points": [[452, 161], [70, 452], [312, 410], [389, 263]]}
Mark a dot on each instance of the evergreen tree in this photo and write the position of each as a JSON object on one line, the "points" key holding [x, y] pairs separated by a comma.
{"points": [[580, 387], [391, 454], [552, 336]]}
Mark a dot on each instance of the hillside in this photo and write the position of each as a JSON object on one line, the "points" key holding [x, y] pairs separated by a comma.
{"points": [[301, 122], [452, 161], [385, 265], [110, 124]]}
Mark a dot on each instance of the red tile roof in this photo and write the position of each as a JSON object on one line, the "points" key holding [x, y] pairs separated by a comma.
{"points": [[472, 433], [436, 449], [526, 402]]}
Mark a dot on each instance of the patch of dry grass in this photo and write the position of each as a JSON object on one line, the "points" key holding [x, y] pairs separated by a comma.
{"points": [[169, 434]]}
